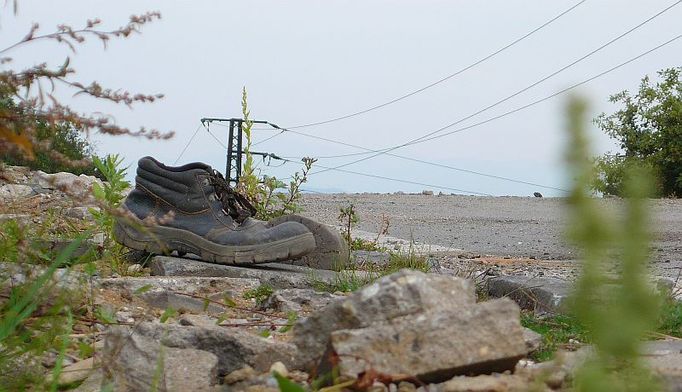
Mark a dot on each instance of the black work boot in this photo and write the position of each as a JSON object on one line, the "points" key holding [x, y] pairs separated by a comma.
{"points": [[191, 209]]}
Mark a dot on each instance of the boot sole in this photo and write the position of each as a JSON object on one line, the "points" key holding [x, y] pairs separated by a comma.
{"points": [[164, 240]]}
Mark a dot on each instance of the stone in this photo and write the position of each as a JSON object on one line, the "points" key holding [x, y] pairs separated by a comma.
{"points": [[77, 371], [79, 186], [181, 303], [533, 340], [541, 295], [15, 191], [294, 300], [131, 362], [280, 368], [276, 275], [91, 384], [486, 383], [189, 285], [240, 375], [406, 292], [331, 250], [427, 193], [82, 213], [135, 268], [234, 348], [434, 346]]}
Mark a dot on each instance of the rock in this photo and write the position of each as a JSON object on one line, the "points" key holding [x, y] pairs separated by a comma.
{"points": [[179, 302], [198, 320], [135, 268], [276, 275], [233, 347], [239, 375], [189, 285], [294, 300], [434, 346], [668, 368], [79, 186], [82, 213], [331, 250], [537, 194], [15, 191], [20, 218], [486, 383], [533, 340], [131, 362], [77, 371], [91, 384], [403, 293], [280, 368], [538, 294], [427, 193]]}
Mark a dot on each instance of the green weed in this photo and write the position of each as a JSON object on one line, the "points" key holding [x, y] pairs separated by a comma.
{"points": [[260, 293]]}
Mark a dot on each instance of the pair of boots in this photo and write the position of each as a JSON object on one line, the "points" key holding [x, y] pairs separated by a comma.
{"points": [[191, 209]]}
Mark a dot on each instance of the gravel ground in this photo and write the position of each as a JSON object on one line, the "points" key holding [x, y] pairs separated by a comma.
{"points": [[516, 227]]}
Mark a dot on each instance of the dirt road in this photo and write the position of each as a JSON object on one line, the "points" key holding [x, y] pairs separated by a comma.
{"points": [[502, 226]]}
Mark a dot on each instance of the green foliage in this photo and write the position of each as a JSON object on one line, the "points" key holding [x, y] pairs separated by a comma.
{"points": [[670, 319], [24, 337], [649, 131], [618, 309], [270, 196], [286, 385], [410, 260], [260, 293], [556, 330], [110, 195], [64, 139]]}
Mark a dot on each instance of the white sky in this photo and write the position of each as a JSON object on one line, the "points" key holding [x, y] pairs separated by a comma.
{"points": [[307, 61]]}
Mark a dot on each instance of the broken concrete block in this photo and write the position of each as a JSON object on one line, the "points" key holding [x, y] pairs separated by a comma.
{"points": [[276, 275], [234, 348], [135, 362], [433, 346], [406, 292]]}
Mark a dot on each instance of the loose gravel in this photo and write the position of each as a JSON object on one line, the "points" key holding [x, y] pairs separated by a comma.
{"points": [[507, 227]]}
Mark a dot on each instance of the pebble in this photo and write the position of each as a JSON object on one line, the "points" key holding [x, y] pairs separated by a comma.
{"points": [[280, 368]]}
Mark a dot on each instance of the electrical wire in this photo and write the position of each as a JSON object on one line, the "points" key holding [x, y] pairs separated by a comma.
{"points": [[427, 135], [536, 102], [187, 145], [404, 181], [448, 77]]}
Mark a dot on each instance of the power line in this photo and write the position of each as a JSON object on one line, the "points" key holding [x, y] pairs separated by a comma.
{"points": [[187, 145], [419, 139], [439, 81], [485, 122], [428, 162], [402, 180]]}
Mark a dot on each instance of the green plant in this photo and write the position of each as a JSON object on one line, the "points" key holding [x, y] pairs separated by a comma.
{"points": [[263, 191], [557, 331], [410, 260], [110, 195], [649, 131], [617, 310], [260, 293], [35, 318]]}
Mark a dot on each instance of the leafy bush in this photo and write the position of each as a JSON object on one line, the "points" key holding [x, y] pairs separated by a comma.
{"points": [[649, 131], [63, 138]]}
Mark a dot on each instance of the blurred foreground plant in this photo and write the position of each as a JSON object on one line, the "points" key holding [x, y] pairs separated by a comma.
{"points": [[613, 298]]}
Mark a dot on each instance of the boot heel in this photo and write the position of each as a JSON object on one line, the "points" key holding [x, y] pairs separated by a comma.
{"points": [[137, 239]]}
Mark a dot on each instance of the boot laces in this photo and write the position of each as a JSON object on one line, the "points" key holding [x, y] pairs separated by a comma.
{"points": [[234, 204]]}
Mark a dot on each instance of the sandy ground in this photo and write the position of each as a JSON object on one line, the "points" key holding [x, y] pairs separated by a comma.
{"points": [[516, 227]]}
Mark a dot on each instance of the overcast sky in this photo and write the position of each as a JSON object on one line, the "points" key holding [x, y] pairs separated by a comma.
{"points": [[308, 61]]}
